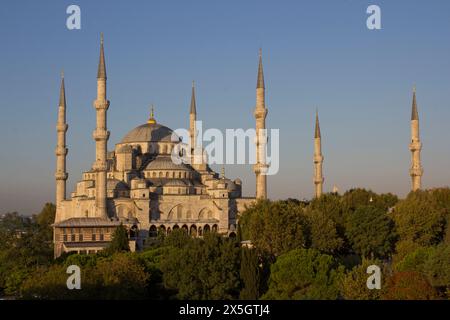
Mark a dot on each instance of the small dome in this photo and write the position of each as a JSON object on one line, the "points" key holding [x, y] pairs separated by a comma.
{"points": [[165, 163], [175, 183], [149, 132], [114, 184]]}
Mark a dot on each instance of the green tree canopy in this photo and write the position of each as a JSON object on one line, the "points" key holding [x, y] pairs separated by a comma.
{"points": [[354, 284], [370, 232], [250, 274], [322, 233], [274, 227], [304, 274], [205, 268], [119, 241]]}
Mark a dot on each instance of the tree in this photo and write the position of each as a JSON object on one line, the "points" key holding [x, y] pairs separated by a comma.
{"points": [[119, 276], [323, 234], [250, 274], [274, 227], [330, 205], [409, 285], [304, 274], [119, 241], [420, 218], [354, 284], [370, 232], [205, 268], [355, 198], [437, 267]]}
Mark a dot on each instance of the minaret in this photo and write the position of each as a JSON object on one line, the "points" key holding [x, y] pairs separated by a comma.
{"points": [[101, 135], [416, 170], [318, 159], [192, 119], [260, 114], [61, 149]]}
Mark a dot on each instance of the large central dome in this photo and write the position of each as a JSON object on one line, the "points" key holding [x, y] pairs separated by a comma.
{"points": [[150, 132]]}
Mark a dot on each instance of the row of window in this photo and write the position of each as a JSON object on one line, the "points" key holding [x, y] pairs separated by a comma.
{"points": [[168, 174], [86, 230], [79, 237]]}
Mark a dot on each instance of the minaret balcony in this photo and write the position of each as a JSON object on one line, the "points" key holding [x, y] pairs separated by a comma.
{"points": [[415, 146], [416, 171], [100, 165], [61, 175], [62, 127], [100, 135], [61, 151], [260, 113], [318, 158], [101, 104], [260, 168], [318, 181]]}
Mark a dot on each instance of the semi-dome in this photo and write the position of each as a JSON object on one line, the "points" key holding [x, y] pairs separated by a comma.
{"points": [[165, 163], [115, 184], [149, 132]]}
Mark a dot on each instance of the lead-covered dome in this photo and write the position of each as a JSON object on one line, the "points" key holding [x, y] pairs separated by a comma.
{"points": [[150, 132]]}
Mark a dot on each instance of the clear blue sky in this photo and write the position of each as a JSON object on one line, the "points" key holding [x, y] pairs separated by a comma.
{"points": [[316, 53]]}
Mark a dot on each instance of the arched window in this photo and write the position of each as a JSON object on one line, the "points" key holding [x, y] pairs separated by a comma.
{"points": [[193, 231], [152, 232], [214, 228], [206, 228]]}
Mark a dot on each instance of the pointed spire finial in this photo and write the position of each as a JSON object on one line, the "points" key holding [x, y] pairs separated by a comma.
{"points": [[193, 109], [414, 112], [101, 74], [152, 115], [62, 92], [260, 82], [62, 73], [317, 129]]}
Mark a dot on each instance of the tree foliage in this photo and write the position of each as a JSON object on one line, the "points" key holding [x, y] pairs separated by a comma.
{"points": [[409, 285], [274, 227], [203, 269], [303, 274], [119, 241], [354, 284], [250, 274], [370, 232]]}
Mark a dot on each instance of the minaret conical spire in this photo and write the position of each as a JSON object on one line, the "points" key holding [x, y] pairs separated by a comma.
{"points": [[260, 81], [101, 73], [193, 104], [62, 92], [317, 129], [414, 112]]}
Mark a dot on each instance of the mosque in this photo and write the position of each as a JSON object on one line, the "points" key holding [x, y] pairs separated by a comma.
{"points": [[139, 186]]}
